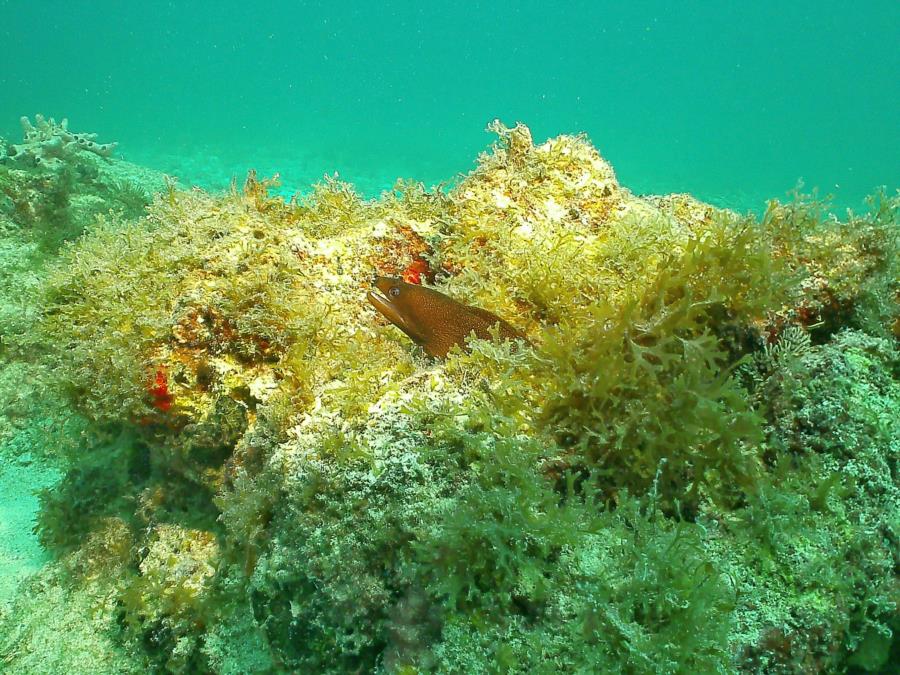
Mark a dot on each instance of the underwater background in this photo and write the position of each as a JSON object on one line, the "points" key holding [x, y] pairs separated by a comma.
{"points": [[394, 337], [733, 102]]}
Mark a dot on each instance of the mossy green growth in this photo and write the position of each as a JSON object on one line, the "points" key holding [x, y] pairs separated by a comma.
{"points": [[440, 546], [212, 297], [816, 571], [850, 268], [170, 594], [649, 383], [632, 593], [820, 536]]}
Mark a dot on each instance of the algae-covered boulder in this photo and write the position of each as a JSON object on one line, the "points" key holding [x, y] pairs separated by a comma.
{"points": [[42, 205], [56, 182], [288, 462]]}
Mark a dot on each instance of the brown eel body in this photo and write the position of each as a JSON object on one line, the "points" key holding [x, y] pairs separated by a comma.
{"points": [[434, 320]]}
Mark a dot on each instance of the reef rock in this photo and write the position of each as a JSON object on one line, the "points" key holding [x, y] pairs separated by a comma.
{"points": [[626, 494]]}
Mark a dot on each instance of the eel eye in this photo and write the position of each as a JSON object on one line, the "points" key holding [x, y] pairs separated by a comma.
{"points": [[395, 291]]}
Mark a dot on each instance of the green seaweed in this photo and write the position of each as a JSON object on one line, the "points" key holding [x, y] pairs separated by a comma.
{"points": [[650, 382]]}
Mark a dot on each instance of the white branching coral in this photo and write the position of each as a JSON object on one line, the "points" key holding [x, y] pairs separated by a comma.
{"points": [[48, 144]]}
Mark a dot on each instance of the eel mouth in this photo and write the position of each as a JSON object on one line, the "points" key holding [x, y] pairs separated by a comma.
{"points": [[382, 303]]}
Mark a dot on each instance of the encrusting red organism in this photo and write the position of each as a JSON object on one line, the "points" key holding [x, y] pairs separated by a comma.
{"points": [[413, 273], [159, 390]]}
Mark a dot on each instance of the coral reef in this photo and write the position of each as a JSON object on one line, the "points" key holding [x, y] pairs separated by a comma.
{"points": [[691, 468], [48, 144], [55, 183]]}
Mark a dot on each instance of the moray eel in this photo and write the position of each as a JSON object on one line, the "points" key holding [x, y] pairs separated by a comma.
{"points": [[433, 320]]}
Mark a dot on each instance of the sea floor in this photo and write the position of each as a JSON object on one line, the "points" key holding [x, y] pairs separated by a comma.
{"points": [[22, 476]]}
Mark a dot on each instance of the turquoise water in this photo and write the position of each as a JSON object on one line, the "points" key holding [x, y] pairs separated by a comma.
{"points": [[732, 102]]}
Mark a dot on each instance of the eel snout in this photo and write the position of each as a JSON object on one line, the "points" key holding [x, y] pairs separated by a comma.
{"points": [[382, 302]]}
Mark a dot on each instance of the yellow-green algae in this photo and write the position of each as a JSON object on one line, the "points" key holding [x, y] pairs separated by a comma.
{"points": [[693, 470]]}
